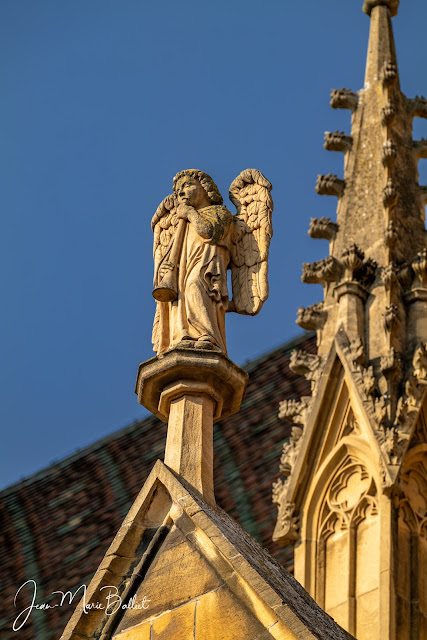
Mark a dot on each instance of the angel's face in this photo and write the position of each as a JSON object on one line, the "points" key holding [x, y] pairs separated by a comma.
{"points": [[190, 192]]}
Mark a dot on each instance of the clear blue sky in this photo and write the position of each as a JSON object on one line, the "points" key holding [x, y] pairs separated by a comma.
{"points": [[103, 102]]}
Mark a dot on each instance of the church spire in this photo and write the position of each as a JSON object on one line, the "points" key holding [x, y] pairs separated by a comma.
{"points": [[357, 458], [381, 49], [368, 278]]}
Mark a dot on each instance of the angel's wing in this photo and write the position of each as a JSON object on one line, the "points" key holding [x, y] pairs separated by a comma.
{"points": [[250, 192], [163, 224]]}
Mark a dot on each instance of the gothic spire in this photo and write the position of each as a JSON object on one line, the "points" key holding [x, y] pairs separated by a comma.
{"points": [[365, 421], [377, 247]]}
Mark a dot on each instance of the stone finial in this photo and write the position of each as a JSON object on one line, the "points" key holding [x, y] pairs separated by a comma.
{"points": [[419, 265], [392, 6], [322, 228], [352, 259], [327, 270], [337, 141], [311, 318], [330, 185], [344, 99]]}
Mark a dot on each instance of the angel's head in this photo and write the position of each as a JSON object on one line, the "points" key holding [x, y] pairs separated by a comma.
{"points": [[196, 189]]}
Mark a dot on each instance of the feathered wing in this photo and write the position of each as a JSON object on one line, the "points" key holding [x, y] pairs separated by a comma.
{"points": [[163, 224], [250, 193]]}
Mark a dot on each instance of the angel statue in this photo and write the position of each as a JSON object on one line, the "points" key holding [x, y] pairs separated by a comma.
{"points": [[196, 239]]}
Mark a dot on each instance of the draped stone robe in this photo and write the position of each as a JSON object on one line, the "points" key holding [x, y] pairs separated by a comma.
{"points": [[198, 313]]}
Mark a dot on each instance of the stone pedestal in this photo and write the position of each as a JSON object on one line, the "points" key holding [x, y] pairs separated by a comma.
{"points": [[191, 389]]}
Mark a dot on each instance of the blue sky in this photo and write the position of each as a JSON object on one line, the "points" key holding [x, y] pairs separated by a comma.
{"points": [[103, 103]]}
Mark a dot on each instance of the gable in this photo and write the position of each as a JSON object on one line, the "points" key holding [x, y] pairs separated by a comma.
{"points": [[200, 574], [184, 594], [338, 419]]}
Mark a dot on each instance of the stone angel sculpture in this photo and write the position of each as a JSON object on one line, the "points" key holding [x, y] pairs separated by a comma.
{"points": [[196, 239]]}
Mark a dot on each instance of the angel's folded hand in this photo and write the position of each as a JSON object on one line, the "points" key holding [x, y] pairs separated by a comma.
{"points": [[183, 211]]}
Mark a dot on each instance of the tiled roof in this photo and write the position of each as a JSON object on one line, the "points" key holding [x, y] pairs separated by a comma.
{"points": [[57, 525]]}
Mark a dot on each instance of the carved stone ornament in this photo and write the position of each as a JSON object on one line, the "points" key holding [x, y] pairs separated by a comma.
{"points": [[390, 235], [322, 228], [344, 99], [418, 106], [196, 239], [389, 73], [391, 318], [330, 185], [380, 410], [365, 379], [337, 141], [391, 365], [365, 382], [308, 365], [389, 275], [388, 113], [420, 362], [327, 270], [389, 194], [286, 531], [389, 153], [415, 387], [294, 410], [352, 258], [311, 318], [419, 265], [290, 451], [355, 351], [366, 274], [392, 6], [388, 439]]}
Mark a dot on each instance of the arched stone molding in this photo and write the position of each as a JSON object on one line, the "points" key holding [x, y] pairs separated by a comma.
{"points": [[411, 535], [349, 446], [413, 482], [340, 538]]}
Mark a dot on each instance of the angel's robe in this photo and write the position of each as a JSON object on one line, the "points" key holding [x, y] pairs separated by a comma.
{"points": [[198, 313]]}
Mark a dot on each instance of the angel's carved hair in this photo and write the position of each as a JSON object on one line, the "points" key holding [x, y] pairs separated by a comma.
{"points": [[206, 181]]}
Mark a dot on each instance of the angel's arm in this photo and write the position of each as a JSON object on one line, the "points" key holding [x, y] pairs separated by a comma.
{"points": [[203, 227]]}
